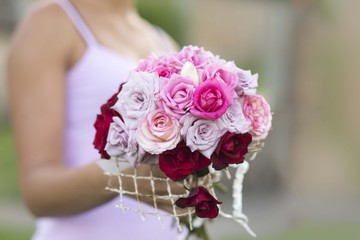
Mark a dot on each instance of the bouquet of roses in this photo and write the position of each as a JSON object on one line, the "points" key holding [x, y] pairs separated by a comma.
{"points": [[192, 113]]}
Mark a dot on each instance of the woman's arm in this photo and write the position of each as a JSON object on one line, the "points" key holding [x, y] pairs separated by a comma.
{"points": [[38, 60]]}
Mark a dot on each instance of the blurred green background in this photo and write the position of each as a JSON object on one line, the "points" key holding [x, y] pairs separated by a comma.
{"points": [[305, 184]]}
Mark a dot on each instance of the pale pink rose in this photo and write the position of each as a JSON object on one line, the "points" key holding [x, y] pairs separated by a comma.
{"points": [[211, 100], [258, 112], [176, 96], [201, 134], [158, 132], [220, 73]]}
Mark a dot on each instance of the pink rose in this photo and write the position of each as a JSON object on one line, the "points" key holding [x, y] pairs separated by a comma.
{"points": [[197, 56], [211, 100], [176, 96], [165, 71], [160, 65], [257, 111], [147, 65], [158, 132], [220, 73]]}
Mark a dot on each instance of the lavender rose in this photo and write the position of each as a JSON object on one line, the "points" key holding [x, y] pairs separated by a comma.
{"points": [[234, 120], [201, 134], [121, 142], [137, 97], [248, 83]]}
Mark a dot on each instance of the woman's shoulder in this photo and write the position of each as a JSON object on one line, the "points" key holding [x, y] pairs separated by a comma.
{"points": [[45, 15], [44, 26]]}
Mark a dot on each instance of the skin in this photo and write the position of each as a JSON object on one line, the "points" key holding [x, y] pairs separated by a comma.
{"points": [[38, 61]]}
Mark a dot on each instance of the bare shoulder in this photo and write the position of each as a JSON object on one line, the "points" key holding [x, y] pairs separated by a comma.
{"points": [[44, 27]]}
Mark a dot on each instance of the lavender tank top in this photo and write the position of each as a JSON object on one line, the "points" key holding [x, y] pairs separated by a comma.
{"points": [[89, 83]]}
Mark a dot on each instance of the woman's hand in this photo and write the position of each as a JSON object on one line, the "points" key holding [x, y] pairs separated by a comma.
{"points": [[144, 187]]}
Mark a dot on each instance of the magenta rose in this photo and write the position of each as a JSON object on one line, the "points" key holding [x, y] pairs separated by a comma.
{"points": [[102, 125], [180, 162], [176, 96], [258, 112], [200, 198], [211, 100], [231, 149]]}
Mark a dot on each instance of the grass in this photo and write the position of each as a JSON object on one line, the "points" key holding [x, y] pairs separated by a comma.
{"points": [[338, 231], [8, 171], [15, 234], [334, 231]]}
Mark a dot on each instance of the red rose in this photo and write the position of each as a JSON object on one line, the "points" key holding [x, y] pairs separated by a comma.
{"points": [[180, 162], [102, 125], [200, 198], [231, 149]]}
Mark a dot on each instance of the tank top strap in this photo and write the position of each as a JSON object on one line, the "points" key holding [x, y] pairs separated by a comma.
{"points": [[78, 21]]}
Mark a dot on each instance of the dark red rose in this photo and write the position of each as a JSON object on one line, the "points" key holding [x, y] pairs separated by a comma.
{"points": [[200, 198], [180, 162], [231, 149], [102, 124]]}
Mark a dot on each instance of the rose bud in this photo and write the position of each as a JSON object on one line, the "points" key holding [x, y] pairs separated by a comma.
{"points": [[200, 198]]}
